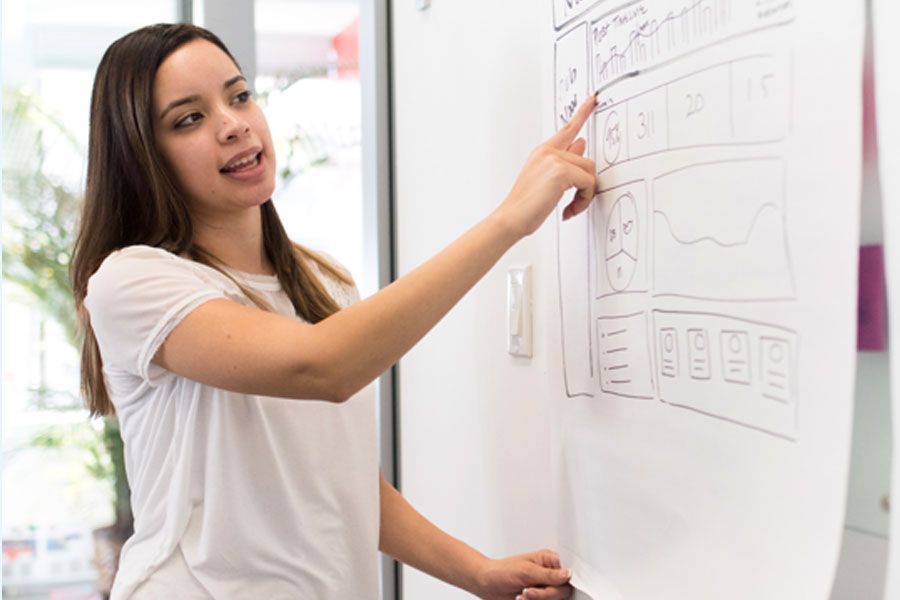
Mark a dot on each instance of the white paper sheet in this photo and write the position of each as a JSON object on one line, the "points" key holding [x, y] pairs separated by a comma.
{"points": [[885, 14], [707, 298]]}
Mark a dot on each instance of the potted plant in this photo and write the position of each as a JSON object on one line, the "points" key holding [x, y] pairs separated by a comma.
{"points": [[41, 212]]}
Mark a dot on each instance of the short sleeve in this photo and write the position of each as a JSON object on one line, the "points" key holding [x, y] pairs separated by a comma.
{"points": [[136, 298], [343, 293]]}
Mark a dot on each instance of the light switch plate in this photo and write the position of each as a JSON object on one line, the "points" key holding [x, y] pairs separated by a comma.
{"points": [[423, 4], [519, 312]]}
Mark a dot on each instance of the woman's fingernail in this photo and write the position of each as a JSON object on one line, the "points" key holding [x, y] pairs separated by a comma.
{"points": [[568, 573]]}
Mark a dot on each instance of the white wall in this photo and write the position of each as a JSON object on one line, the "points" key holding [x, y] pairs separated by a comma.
{"points": [[474, 453]]}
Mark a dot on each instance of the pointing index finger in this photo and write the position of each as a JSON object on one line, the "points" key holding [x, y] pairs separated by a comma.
{"points": [[565, 136]]}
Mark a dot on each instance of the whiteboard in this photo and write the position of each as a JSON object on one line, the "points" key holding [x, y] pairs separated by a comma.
{"points": [[707, 299]]}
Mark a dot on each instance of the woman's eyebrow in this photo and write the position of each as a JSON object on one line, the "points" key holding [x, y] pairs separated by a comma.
{"points": [[195, 97]]}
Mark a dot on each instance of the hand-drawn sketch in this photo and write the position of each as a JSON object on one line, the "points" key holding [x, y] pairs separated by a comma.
{"points": [[630, 40], [573, 269], [718, 379], [620, 226], [706, 297], [564, 11], [742, 101], [733, 223], [572, 76], [624, 356]]}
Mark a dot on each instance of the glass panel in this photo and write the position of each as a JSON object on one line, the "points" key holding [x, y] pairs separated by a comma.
{"points": [[57, 476], [308, 82]]}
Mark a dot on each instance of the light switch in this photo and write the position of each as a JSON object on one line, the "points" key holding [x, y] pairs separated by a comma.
{"points": [[423, 4], [518, 311]]}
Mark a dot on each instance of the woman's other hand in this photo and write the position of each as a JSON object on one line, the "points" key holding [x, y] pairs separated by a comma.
{"points": [[552, 168], [533, 576]]}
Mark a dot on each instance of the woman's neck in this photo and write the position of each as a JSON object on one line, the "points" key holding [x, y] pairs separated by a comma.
{"points": [[236, 240]]}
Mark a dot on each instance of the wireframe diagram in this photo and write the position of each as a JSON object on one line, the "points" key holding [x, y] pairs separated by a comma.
{"points": [[573, 270], [733, 223], [642, 35], [564, 11], [741, 101], [734, 369], [572, 75], [624, 356], [692, 207], [620, 234]]}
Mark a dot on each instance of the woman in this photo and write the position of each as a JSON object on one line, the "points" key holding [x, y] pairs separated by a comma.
{"points": [[239, 363]]}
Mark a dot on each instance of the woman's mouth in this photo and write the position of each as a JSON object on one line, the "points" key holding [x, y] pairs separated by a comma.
{"points": [[246, 169], [242, 166]]}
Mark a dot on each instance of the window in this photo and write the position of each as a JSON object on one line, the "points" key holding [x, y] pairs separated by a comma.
{"points": [[57, 479]]}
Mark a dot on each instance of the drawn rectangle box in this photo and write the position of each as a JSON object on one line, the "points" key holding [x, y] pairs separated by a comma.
{"points": [[698, 353], [573, 255], [624, 356], [737, 370], [619, 218], [566, 11], [647, 123], [736, 362], [571, 76], [699, 111], [669, 362], [610, 136], [719, 232], [760, 98]]}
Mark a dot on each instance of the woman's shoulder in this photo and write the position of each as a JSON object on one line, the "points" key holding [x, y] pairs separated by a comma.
{"points": [[334, 275], [138, 254], [128, 270]]}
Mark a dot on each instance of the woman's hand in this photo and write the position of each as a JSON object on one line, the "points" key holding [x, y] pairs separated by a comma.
{"points": [[552, 168], [532, 576]]}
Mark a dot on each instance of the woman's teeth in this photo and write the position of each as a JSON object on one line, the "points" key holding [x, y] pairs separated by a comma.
{"points": [[242, 165]]}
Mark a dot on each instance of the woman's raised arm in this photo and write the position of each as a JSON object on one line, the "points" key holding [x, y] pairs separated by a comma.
{"points": [[246, 350]]}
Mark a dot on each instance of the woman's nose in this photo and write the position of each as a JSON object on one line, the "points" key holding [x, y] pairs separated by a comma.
{"points": [[232, 127]]}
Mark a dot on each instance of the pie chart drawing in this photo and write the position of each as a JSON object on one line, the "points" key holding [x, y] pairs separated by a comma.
{"points": [[622, 243]]}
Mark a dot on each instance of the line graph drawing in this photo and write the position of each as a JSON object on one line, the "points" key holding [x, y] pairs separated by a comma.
{"points": [[734, 223], [719, 380], [619, 217], [745, 240]]}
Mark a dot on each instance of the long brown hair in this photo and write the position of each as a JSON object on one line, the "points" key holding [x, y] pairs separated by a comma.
{"points": [[131, 196]]}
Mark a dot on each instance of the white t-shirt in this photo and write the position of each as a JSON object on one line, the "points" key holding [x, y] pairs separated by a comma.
{"points": [[234, 496]]}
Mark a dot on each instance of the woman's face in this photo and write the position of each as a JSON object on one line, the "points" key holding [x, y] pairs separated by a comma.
{"points": [[211, 132]]}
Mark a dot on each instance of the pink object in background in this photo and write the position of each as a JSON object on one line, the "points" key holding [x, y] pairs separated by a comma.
{"points": [[872, 308], [346, 46], [870, 136]]}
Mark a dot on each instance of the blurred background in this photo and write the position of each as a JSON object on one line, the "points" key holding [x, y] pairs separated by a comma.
{"points": [[65, 501]]}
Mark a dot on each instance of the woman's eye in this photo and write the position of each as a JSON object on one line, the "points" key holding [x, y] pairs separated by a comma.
{"points": [[243, 97], [189, 120]]}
